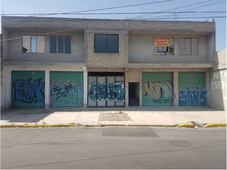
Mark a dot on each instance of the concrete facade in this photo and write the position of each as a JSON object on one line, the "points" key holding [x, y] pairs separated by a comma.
{"points": [[141, 48], [77, 53], [136, 60], [106, 59]]}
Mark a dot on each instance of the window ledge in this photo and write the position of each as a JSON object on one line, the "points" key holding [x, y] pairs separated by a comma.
{"points": [[168, 65]]}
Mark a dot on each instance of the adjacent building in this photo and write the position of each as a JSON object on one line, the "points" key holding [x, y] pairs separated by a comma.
{"points": [[67, 62], [218, 81]]}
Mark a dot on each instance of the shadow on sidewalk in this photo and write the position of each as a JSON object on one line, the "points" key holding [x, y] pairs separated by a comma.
{"points": [[28, 115]]}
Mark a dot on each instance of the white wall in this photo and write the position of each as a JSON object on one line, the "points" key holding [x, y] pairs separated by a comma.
{"points": [[218, 82]]}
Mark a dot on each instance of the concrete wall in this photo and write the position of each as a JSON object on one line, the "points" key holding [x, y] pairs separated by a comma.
{"points": [[6, 89], [211, 47], [141, 49], [15, 47], [106, 59], [218, 82], [5, 46], [135, 40], [104, 24]]}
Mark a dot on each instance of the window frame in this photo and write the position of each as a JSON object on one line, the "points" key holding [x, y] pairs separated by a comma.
{"points": [[63, 44], [31, 44], [191, 46], [106, 50]]}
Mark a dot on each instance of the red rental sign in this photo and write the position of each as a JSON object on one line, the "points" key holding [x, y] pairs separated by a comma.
{"points": [[161, 42]]}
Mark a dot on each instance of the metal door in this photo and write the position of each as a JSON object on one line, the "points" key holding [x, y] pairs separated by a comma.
{"points": [[106, 89], [133, 94]]}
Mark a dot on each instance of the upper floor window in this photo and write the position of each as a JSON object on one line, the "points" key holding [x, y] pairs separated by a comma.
{"points": [[188, 46], [60, 44], [164, 46], [33, 44], [106, 43]]}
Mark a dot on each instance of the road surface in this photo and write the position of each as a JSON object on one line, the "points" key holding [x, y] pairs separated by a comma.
{"points": [[113, 148]]}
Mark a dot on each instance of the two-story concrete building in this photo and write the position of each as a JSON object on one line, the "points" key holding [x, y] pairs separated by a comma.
{"points": [[65, 62]]}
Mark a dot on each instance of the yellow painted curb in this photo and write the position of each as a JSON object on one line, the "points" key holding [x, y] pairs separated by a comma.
{"points": [[186, 125], [158, 125], [215, 125]]}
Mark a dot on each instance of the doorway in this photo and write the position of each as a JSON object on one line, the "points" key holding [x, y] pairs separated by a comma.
{"points": [[134, 94], [106, 89]]}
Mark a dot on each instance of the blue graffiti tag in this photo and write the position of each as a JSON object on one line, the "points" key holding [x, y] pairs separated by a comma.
{"points": [[28, 92], [190, 97], [67, 93], [109, 91]]}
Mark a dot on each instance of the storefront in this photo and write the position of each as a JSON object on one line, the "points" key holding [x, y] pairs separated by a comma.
{"points": [[66, 89], [106, 89], [28, 89], [157, 88], [137, 87], [192, 89]]}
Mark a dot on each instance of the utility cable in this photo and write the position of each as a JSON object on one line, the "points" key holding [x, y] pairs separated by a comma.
{"points": [[174, 8], [91, 10]]}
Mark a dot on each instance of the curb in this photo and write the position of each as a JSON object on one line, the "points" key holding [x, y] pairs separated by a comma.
{"points": [[188, 125], [80, 125], [39, 125], [154, 125], [191, 125], [215, 125]]}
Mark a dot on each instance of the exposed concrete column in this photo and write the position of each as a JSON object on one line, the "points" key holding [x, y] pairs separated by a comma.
{"points": [[85, 85], [126, 88], [9, 87], [175, 88], [140, 88], [6, 88], [207, 85], [47, 89]]}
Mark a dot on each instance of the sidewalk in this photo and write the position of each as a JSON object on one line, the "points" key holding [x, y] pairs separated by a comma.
{"points": [[133, 116]]}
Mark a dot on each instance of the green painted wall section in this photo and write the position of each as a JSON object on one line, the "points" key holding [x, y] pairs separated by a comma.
{"points": [[28, 89], [192, 89], [66, 89], [157, 88]]}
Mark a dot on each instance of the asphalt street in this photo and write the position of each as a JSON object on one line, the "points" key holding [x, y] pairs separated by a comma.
{"points": [[113, 148]]}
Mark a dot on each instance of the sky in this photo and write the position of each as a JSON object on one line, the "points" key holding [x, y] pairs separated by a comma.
{"points": [[170, 10]]}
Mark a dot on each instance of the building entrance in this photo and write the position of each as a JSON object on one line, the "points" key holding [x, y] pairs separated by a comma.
{"points": [[133, 94], [106, 89]]}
